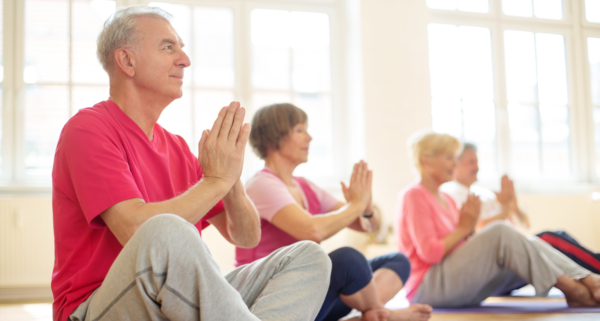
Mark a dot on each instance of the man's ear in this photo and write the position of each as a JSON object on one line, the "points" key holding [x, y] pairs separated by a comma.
{"points": [[125, 61]]}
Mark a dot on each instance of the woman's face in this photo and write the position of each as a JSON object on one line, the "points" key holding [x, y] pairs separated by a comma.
{"points": [[440, 167], [295, 146]]}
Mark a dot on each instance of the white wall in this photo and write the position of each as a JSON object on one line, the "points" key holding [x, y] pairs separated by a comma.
{"points": [[397, 91]]}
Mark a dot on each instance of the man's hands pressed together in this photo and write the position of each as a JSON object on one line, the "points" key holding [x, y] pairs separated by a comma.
{"points": [[221, 149], [221, 156]]}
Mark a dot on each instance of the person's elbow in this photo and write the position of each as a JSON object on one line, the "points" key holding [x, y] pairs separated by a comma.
{"points": [[313, 232], [249, 241]]}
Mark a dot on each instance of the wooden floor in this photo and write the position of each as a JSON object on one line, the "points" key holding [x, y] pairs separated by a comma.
{"points": [[43, 312]]}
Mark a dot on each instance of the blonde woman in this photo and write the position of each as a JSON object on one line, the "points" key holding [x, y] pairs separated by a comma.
{"points": [[451, 269]]}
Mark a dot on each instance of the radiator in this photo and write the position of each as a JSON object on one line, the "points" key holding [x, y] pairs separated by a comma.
{"points": [[26, 243]]}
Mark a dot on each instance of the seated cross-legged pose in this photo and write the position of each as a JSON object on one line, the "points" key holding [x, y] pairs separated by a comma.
{"points": [[293, 208], [494, 206], [129, 201], [449, 269], [501, 206]]}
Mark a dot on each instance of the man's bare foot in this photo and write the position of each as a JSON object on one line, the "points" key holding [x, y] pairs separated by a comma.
{"points": [[416, 312], [592, 282], [578, 295], [381, 314]]}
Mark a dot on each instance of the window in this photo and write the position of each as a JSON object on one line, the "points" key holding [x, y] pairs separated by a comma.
{"points": [[209, 83], [291, 63], [594, 60], [61, 74], [258, 54], [462, 87], [503, 79]]}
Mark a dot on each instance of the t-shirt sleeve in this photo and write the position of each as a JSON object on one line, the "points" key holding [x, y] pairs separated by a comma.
{"points": [[269, 194], [419, 219], [92, 159], [326, 200]]}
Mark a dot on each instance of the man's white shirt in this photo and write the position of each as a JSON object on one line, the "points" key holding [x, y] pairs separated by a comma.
{"points": [[459, 193]]}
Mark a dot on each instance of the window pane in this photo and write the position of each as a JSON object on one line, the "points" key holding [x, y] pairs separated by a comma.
{"points": [[552, 72], [88, 19], [521, 8], [462, 87], [1, 74], [271, 55], [555, 135], [46, 112], [462, 5], [548, 9], [525, 139], [521, 72], [213, 62], [473, 5], [594, 60], [46, 41], [310, 52], [596, 116], [291, 63], [538, 97], [87, 96], [592, 10], [442, 4]]}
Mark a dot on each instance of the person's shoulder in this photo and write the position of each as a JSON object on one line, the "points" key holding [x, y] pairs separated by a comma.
{"points": [[90, 118], [261, 179], [414, 190]]}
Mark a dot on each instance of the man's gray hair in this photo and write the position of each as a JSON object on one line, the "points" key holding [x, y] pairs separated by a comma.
{"points": [[468, 146], [119, 31]]}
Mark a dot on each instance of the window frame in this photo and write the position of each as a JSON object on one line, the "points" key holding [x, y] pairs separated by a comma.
{"points": [[13, 178], [574, 28]]}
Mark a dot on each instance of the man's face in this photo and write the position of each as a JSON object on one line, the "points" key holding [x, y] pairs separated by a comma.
{"points": [[159, 58], [466, 170]]}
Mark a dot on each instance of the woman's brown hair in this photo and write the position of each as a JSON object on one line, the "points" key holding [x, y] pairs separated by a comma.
{"points": [[272, 123]]}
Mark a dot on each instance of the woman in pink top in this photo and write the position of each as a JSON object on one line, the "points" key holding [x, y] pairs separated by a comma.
{"points": [[449, 267], [292, 209]]}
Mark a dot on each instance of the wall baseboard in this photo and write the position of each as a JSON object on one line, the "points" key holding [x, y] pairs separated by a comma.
{"points": [[25, 294]]}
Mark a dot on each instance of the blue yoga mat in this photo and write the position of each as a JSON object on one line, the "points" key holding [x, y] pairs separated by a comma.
{"points": [[521, 306]]}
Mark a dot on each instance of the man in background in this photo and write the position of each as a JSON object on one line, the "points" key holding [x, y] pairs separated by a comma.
{"points": [[494, 206]]}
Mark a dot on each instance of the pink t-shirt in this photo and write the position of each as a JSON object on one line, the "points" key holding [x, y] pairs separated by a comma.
{"points": [[103, 158], [421, 224], [270, 194]]}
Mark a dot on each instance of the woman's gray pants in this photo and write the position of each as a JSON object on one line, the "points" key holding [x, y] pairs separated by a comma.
{"points": [[165, 272], [496, 259]]}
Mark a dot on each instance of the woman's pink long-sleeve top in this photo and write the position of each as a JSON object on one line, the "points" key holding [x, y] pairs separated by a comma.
{"points": [[421, 224]]}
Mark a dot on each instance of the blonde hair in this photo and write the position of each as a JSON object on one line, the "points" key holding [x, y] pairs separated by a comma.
{"points": [[428, 144]]}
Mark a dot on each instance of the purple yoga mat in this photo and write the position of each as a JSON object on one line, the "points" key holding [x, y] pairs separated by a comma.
{"points": [[521, 306]]}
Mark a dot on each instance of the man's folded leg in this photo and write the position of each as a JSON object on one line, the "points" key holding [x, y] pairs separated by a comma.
{"points": [[289, 284], [164, 272]]}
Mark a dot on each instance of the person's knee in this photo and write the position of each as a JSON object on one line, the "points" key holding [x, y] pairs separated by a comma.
{"points": [[321, 259], [400, 264], [349, 258], [166, 230], [497, 229], [350, 271]]}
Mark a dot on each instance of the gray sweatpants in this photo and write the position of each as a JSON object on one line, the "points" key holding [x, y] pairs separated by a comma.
{"points": [[165, 272], [497, 258]]}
